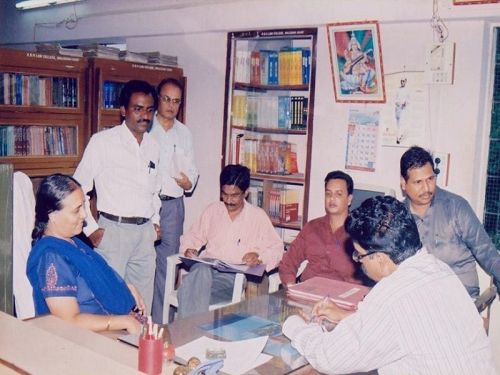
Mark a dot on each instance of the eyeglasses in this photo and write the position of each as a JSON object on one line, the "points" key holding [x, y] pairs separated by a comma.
{"points": [[356, 256], [168, 99]]}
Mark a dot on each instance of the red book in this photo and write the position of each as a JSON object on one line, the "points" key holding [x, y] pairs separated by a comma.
{"points": [[346, 295], [255, 67]]}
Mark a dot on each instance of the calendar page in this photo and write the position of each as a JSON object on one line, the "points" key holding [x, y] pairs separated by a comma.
{"points": [[362, 138]]}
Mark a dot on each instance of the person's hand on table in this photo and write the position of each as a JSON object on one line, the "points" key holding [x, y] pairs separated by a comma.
{"points": [[329, 310]]}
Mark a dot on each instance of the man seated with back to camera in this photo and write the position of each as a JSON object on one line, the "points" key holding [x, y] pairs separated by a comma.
{"points": [[447, 225], [234, 231], [417, 319], [323, 242]]}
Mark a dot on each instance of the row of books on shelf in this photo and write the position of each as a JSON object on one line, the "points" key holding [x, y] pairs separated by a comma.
{"points": [[265, 155], [22, 89], [281, 204], [37, 140], [269, 111], [111, 94], [288, 66]]}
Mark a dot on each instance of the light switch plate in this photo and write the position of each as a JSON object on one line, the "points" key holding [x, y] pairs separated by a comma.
{"points": [[442, 162]]}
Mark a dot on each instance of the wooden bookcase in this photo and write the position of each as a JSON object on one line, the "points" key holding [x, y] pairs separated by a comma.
{"points": [[268, 118], [42, 111], [107, 77]]}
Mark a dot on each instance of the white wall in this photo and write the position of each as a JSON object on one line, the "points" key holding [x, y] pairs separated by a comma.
{"points": [[197, 35]]}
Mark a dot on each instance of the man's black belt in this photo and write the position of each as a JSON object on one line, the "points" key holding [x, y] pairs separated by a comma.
{"points": [[125, 220], [166, 197]]}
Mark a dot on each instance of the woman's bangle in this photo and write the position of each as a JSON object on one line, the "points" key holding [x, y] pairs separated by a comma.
{"points": [[108, 325]]}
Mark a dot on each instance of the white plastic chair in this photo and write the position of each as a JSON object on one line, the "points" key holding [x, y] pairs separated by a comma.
{"points": [[170, 298], [275, 281], [24, 221]]}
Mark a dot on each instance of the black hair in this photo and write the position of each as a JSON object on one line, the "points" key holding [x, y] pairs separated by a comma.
{"points": [[51, 192], [414, 157], [383, 224], [339, 175], [135, 86], [170, 81], [235, 174]]}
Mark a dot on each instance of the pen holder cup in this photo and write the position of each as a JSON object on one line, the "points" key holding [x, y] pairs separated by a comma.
{"points": [[150, 355]]}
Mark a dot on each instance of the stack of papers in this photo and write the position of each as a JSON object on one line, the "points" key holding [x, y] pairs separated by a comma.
{"points": [[133, 57], [344, 294], [241, 356], [99, 50], [56, 49], [160, 59]]}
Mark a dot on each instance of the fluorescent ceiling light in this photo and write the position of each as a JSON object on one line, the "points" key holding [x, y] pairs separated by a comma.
{"points": [[30, 4]]}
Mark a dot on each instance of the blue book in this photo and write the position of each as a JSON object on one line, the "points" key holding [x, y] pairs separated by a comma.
{"points": [[306, 65], [19, 89], [273, 68], [283, 112], [107, 94]]}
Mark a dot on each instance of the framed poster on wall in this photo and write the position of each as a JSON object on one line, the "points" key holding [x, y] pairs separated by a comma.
{"points": [[356, 62]]}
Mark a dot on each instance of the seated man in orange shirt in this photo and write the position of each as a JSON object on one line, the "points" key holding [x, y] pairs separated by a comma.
{"points": [[323, 242], [233, 231]]}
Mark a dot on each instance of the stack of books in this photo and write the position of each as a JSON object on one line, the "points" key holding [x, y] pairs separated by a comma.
{"points": [[57, 50], [344, 294], [99, 50], [133, 57], [160, 59]]}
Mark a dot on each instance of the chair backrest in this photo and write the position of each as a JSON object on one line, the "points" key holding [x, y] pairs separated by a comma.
{"points": [[484, 301], [275, 281], [24, 221]]}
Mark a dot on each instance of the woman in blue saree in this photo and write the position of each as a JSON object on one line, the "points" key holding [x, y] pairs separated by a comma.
{"points": [[70, 280]]}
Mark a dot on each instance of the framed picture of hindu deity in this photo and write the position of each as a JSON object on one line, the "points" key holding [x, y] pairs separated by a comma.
{"points": [[471, 2], [356, 62]]}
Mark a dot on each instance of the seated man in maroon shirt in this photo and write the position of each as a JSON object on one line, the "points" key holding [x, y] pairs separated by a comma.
{"points": [[323, 241]]}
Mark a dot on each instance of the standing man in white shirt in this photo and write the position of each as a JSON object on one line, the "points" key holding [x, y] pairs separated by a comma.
{"points": [[178, 175], [122, 162]]}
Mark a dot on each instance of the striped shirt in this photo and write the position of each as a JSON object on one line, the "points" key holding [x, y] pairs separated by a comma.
{"points": [[418, 320]]}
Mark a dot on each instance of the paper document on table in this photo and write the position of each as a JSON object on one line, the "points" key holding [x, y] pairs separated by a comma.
{"points": [[241, 356], [222, 266]]}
